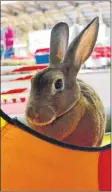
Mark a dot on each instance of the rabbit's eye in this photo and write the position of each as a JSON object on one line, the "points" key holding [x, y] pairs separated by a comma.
{"points": [[59, 84]]}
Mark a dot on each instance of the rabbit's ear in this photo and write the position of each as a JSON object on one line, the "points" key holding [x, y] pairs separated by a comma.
{"points": [[58, 42], [82, 46]]}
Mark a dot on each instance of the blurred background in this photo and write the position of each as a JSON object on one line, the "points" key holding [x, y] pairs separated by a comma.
{"points": [[25, 39]]}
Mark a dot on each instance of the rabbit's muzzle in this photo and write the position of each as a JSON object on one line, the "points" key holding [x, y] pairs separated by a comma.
{"points": [[41, 117]]}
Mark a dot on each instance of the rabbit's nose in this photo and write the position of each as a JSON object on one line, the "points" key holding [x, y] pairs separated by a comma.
{"points": [[34, 116], [31, 113]]}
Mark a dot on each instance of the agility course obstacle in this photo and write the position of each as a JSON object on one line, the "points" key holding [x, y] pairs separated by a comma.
{"points": [[24, 68], [31, 161]]}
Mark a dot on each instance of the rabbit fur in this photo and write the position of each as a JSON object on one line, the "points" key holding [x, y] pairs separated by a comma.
{"points": [[60, 105]]}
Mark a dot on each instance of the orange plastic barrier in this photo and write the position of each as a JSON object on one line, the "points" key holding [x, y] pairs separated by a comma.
{"points": [[31, 161]]}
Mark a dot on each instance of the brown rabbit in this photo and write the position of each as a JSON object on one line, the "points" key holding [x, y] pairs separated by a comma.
{"points": [[60, 105]]}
